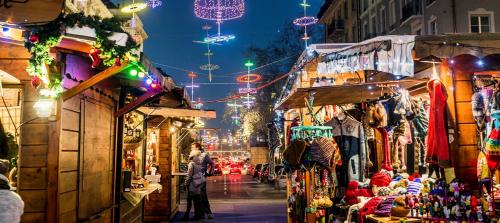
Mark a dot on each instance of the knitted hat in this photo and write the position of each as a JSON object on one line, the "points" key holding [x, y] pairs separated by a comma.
{"points": [[414, 187], [369, 208], [351, 193], [380, 179], [294, 152], [384, 208]]}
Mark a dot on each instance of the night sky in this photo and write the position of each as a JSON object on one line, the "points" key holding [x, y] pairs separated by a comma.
{"points": [[173, 27]]}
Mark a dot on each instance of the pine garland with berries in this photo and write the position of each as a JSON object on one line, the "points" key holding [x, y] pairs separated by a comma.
{"points": [[44, 37]]}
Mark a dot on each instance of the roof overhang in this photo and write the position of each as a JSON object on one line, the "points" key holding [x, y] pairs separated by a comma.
{"points": [[345, 94], [178, 112]]}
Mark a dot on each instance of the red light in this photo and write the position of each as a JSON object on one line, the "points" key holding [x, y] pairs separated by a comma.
{"points": [[154, 85]]}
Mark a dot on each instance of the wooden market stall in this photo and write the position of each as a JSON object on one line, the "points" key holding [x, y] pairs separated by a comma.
{"points": [[362, 73], [70, 132]]}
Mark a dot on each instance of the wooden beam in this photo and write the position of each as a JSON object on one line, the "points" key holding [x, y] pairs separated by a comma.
{"points": [[140, 101], [97, 78], [178, 112]]}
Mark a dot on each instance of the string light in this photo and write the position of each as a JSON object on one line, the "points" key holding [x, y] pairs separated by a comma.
{"points": [[133, 72], [141, 74], [149, 81], [480, 62]]}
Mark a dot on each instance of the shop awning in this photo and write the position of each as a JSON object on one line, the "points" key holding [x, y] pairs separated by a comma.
{"points": [[451, 45], [346, 94], [178, 112]]}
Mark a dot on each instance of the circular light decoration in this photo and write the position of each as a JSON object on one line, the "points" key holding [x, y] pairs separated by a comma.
{"points": [[249, 78], [305, 21], [154, 3], [209, 67], [134, 7], [219, 10], [219, 38]]}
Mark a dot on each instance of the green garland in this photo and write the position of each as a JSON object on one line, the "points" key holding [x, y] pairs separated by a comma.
{"points": [[47, 36]]}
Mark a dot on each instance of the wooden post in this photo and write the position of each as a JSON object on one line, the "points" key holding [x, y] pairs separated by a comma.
{"points": [[118, 157], [53, 166]]}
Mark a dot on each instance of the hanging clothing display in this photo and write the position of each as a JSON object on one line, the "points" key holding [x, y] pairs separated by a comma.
{"points": [[386, 162], [493, 142], [437, 140], [350, 137]]}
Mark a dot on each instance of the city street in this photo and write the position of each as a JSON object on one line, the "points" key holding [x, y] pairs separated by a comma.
{"points": [[239, 198]]}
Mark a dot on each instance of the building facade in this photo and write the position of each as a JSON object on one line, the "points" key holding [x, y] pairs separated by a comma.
{"points": [[364, 19]]}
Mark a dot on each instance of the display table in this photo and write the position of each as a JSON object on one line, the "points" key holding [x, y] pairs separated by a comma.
{"points": [[136, 195], [374, 218]]}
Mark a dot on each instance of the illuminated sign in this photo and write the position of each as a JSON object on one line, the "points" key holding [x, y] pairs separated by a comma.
{"points": [[29, 11]]}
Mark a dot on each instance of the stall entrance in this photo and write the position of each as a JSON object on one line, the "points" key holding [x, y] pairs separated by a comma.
{"points": [[87, 153]]}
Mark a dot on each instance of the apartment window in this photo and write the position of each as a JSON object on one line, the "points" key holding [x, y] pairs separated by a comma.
{"points": [[433, 26], [392, 12], [480, 23], [383, 24]]}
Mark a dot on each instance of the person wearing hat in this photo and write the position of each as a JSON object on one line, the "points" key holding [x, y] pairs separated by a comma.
{"points": [[193, 182], [11, 204]]}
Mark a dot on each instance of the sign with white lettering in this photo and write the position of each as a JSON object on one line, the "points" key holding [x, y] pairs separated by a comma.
{"points": [[29, 11]]}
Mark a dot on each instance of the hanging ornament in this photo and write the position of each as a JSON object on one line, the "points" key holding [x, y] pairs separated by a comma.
{"points": [[219, 11], [154, 3], [94, 55], [33, 38], [35, 81], [118, 61]]}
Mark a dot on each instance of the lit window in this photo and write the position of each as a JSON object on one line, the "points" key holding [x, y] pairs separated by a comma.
{"points": [[480, 23]]}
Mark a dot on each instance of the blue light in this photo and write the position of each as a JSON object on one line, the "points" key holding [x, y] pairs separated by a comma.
{"points": [[149, 81], [480, 62]]}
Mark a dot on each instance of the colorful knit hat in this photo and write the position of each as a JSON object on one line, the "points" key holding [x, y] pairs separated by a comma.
{"points": [[414, 187], [380, 179], [384, 208], [493, 140]]}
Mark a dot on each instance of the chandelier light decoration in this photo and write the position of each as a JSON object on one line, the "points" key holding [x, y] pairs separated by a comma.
{"points": [[219, 11], [209, 66], [305, 21], [134, 8]]}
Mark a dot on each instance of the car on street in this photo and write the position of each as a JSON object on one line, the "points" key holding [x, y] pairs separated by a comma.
{"points": [[280, 182], [263, 174], [255, 170], [235, 169], [218, 169]]}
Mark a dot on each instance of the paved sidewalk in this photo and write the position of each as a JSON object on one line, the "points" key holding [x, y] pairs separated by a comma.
{"points": [[244, 211]]}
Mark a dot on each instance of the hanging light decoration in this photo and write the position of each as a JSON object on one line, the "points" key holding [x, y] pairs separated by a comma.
{"points": [[219, 11], [134, 7], [154, 3], [305, 21]]}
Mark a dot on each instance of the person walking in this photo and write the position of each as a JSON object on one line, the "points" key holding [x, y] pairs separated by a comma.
{"points": [[206, 162], [194, 181], [11, 204]]}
